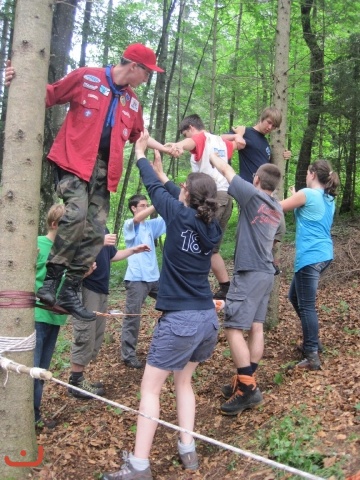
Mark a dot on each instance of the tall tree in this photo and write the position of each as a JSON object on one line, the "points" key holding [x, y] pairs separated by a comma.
{"points": [[316, 94], [278, 138], [19, 215], [85, 32], [61, 37]]}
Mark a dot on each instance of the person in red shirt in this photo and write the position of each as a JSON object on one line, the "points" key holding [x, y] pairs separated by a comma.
{"points": [[87, 156], [201, 144]]}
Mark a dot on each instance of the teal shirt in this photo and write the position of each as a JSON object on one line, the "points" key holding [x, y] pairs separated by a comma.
{"points": [[313, 228], [41, 315]]}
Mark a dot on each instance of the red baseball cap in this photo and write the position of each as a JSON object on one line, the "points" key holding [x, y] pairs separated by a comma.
{"points": [[137, 52]]}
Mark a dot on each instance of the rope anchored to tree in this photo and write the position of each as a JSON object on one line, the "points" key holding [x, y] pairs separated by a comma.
{"points": [[225, 446]]}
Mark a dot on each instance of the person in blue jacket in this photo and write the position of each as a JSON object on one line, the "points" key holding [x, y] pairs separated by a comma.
{"points": [[186, 333], [314, 209]]}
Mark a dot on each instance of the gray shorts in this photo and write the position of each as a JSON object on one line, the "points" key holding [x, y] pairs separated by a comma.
{"points": [[247, 299], [183, 336], [88, 336]]}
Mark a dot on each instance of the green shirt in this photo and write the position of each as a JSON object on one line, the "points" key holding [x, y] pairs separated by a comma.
{"points": [[41, 315]]}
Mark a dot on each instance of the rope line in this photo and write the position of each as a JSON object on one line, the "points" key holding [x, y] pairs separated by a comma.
{"points": [[199, 436]]}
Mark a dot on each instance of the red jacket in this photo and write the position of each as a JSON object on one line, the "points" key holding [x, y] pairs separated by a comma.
{"points": [[76, 146]]}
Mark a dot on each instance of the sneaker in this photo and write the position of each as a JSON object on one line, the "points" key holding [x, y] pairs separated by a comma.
{"points": [[128, 472], [84, 385], [189, 460], [221, 293], [133, 362], [310, 362]]}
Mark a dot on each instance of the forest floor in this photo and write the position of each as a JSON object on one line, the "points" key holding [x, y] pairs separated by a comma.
{"points": [[310, 420]]}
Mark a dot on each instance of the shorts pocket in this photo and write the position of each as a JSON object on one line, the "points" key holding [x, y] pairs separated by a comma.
{"points": [[183, 335]]}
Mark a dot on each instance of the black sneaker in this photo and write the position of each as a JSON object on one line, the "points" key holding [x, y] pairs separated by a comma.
{"points": [[221, 293], [84, 385], [133, 362], [241, 401]]}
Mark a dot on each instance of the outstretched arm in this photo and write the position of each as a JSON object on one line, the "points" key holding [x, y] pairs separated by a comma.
{"points": [[178, 148], [155, 145], [224, 168], [298, 199], [158, 168], [122, 254]]}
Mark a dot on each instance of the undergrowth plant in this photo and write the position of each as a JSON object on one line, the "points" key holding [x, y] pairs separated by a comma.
{"points": [[292, 441]]}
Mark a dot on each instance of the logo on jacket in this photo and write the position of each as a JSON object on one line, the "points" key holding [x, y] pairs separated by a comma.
{"points": [[104, 90], [89, 86], [125, 132], [134, 104], [92, 78], [87, 113], [126, 113]]}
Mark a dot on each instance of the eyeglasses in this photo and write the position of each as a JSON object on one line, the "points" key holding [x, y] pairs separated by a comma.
{"points": [[147, 70], [183, 185]]}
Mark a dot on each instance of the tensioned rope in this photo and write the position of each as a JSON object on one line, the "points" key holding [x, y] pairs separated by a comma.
{"points": [[46, 375]]}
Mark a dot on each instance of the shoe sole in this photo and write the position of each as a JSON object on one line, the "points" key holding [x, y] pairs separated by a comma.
{"points": [[248, 407]]}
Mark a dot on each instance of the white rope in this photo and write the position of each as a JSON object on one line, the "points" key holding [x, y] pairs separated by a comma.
{"points": [[226, 446], [17, 344]]}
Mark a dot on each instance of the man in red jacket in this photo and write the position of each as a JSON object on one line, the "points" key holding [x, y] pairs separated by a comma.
{"points": [[87, 156]]}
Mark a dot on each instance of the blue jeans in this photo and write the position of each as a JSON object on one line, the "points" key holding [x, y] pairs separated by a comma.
{"points": [[46, 336], [302, 295]]}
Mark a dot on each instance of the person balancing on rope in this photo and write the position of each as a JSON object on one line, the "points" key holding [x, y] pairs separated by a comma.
{"points": [[87, 156]]}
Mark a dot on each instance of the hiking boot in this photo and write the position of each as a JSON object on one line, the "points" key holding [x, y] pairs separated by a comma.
{"points": [[229, 389], [128, 472], [69, 300], [84, 385], [300, 347], [310, 362], [246, 396], [47, 292], [189, 460], [221, 293], [134, 362]]}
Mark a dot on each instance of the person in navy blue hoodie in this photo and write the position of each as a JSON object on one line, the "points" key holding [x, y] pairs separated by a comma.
{"points": [[186, 333]]}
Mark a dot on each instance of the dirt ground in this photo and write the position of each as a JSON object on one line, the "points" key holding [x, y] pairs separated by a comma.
{"points": [[91, 435]]}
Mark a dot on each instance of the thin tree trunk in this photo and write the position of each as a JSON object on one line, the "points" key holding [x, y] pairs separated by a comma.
{"points": [[107, 33], [316, 94], [85, 33], [234, 69], [19, 216], [278, 138]]}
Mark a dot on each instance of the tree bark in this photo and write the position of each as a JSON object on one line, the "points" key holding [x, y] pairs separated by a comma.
{"points": [[316, 94], [61, 36], [19, 215], [278, 138], [85, 33]]}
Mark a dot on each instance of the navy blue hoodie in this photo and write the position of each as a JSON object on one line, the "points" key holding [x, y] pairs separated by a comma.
{"points": [[183, 283]]}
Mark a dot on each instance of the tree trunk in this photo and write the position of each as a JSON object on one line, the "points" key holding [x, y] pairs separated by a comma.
{"points": [[19, 216], [234, 69], [6, 33], [107, 33], [62, 30], [316, 92], [85, 33], [278, 138]]}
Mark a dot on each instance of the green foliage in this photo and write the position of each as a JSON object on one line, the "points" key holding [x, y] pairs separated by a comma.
{"points": [[61, 356], [292, 441]]}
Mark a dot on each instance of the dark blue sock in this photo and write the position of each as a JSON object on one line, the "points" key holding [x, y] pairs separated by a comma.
{"points": [[245, 371], [254, 366]]}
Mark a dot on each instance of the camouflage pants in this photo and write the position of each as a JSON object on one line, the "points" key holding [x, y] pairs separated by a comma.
{"points": [[80, 234]]}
